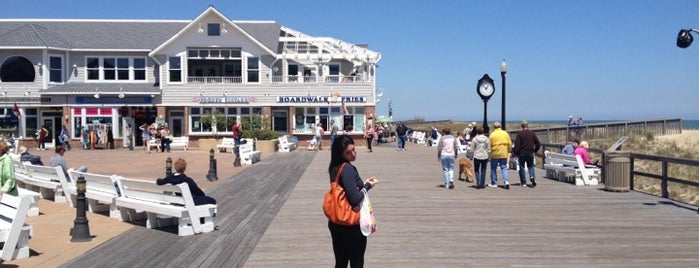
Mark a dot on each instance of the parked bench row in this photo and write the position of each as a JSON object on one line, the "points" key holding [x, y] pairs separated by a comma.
{"points": [[118, 195]]}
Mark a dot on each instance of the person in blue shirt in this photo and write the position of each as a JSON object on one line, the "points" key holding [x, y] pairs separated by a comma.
{"points": [[569, 149]]}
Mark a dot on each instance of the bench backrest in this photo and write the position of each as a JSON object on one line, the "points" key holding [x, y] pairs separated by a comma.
{"points": [[19, 167], [228, 141], [45, 172], [13, 209], [246, 148], [564, 159], [183, 140], [283, 140], [96, 184], [177, 195]]}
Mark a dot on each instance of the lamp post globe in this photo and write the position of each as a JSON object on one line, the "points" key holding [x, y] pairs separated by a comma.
{"points": [[503, 74]]}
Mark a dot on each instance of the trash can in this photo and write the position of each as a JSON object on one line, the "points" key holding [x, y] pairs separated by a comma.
{"points": [[617, 172]]}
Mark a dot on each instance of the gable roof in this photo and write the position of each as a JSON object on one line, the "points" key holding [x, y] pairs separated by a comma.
{"points": [[211, 10]]}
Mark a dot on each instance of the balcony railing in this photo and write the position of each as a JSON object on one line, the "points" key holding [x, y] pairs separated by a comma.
{"points": [[314, 79], [333, 79], [215, 79]]}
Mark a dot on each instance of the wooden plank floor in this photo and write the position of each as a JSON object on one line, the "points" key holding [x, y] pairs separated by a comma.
{"points": [[270, 216], [420, 225], [247, 203]]}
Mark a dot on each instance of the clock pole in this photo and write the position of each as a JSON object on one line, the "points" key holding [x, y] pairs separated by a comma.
{"points": [[486, 129]]}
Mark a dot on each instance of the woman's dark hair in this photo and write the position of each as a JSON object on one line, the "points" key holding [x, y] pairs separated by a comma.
{"points": [[337, 150], [480, 130]]}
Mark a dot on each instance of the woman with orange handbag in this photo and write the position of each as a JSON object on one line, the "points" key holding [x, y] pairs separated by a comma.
{"points": [[349, 244]]}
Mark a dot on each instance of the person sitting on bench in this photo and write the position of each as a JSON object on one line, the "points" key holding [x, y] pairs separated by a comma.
{"points": [[198, 195]]}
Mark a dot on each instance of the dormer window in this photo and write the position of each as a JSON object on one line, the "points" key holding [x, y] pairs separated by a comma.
{"points": [[214, 29]]}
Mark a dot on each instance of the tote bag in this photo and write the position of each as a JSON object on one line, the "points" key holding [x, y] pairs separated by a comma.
{"points": [[367, 221], [336, 206]]}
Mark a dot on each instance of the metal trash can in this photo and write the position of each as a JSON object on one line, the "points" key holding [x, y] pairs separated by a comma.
{"points": [[617, 172]]}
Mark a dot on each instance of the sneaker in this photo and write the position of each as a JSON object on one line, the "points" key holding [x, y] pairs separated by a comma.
{"points": [[451, 185], [533, 183], [493, 185], [525, 186], [507, 186]]}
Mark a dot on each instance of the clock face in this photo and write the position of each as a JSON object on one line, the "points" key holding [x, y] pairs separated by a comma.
{"points": [[486, 89]]}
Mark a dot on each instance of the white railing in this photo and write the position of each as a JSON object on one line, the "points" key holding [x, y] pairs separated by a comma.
{"points": [[215, 79], [334, 79]]}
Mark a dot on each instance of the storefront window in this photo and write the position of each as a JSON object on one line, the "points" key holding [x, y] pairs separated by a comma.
{"points": [[306, 118], [31, 120], [84, 118], [226, 115]]}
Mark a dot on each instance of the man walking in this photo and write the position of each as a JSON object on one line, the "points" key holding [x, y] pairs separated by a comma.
{"points": [[500, 145], [526, 144], [333, 132], [401, 131]]}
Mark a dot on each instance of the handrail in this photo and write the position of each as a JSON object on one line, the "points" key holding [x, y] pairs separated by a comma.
{"points": [[664, 177], [605, 130]]}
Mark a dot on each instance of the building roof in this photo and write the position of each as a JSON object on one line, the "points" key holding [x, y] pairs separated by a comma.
{"points": [[111, 34], [87, 34]]}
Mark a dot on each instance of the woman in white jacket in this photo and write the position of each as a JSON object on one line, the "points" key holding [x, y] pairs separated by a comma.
{"points": [[481, 153]]}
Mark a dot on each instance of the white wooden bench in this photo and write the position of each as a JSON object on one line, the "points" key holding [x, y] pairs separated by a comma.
{"points": [[50, 182], [14, 232], [419, 138], [100, 192], [248, 156], [226, 143], [21, 175], [180, 142], [285, 145], [169, 201], [570, 168], [154, 143]]}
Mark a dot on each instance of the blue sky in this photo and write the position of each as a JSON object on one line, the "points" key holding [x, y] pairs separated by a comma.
{"points": [[603, 60]]}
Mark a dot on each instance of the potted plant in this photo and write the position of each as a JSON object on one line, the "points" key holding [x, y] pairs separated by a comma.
{"points": [[265, 138], [213, 121]]}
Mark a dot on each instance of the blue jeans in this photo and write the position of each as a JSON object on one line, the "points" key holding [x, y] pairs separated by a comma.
{"points": [[448, 169], [502, 163], [332, 140], [528, 159], [480, 167], [401, 141]]}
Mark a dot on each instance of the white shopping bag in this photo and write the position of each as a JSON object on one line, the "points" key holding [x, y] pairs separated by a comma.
{"points": [[367, 221]]}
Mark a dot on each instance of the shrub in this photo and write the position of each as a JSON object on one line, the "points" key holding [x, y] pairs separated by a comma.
{"points": [[259, 134]]}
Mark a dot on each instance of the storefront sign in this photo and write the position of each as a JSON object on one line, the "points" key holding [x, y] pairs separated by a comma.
{"points": [[236, 100], [318, 99]]}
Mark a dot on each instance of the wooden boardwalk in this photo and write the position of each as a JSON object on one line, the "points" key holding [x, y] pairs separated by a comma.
{"points": [[270, 216]]}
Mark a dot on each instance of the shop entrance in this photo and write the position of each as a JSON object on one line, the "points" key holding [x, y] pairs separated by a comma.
{"points": [[280, 121]]}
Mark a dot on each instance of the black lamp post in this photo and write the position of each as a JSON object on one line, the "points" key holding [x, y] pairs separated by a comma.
{"points": [[684, 37], [168, 167], [236, 150], [81, 229], [503, 74], [212, 167]]}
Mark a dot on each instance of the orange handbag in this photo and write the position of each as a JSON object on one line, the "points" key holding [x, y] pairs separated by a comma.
{"points": [[336, 206]]}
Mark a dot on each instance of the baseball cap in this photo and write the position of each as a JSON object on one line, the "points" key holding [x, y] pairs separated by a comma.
{"points": [[524, 122]]}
